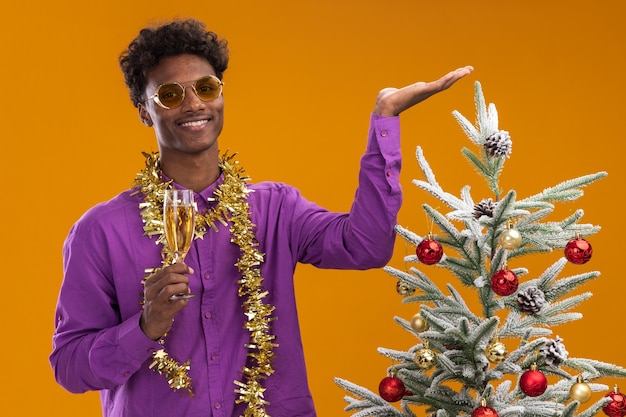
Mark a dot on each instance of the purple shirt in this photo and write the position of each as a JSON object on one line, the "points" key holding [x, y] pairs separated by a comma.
{"points": [[98, 344]]}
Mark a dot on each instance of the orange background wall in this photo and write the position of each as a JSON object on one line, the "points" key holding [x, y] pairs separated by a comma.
{"points": [[302, 82]]}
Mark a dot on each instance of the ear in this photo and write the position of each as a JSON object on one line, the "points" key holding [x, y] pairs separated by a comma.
{"points": [[144, 115]]}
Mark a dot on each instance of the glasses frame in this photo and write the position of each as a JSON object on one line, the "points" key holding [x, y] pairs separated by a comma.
{"points": [[155, 96]]}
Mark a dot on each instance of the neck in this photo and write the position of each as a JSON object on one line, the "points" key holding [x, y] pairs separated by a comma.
{"points": [[195, 172]]}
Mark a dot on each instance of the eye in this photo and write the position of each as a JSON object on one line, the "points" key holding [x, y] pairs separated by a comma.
{"points": [[169, 92], [206, 88]]}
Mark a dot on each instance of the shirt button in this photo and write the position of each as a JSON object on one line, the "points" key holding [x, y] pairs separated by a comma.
{"points": [[383, 133], [206, 276], [389, 173], [125, 373], [208, 315], [213, 356], [218, 406]]}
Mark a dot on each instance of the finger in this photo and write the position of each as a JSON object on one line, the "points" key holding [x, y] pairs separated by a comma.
{"points": [[179, 268], [420, 91], [166, 284], [171, 292], [453, 76]]}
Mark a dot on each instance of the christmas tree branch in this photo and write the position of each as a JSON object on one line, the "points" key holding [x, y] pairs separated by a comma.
{"points": [[431, 186], [406, 234], [566, 190], [373, 405], [594, 368], [515, 326], [565, 285], [590, 411], [468, 128], [561, 306], [417, 280], [455, 238], [464, 270]]}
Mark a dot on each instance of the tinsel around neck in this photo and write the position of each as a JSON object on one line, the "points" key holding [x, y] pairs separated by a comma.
{"points": [[232, 209]]}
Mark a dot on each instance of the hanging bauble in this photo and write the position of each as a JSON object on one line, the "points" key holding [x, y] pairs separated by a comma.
{"points": [[578, 251], [510, 238], [425, 358], [429, 251], [391, 389], [617, 406], [484, 411], [404, 289], [504, 282], [580, 391], [418, 323], [496, 351], [533, 382]]}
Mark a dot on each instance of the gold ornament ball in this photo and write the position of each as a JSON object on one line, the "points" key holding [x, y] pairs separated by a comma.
{"points": [[419, 324], [424, 358], [496, 352], [580, 391], [404, 289], [510, 239]]}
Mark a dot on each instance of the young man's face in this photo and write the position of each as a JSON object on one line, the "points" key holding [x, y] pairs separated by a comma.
{"points": [[193, 126]]}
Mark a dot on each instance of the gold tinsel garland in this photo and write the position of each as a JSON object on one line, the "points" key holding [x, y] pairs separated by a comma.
{"points": [[232, 206]]}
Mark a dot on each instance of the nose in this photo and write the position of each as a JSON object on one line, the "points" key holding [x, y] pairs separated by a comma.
{"points": [[192, 102]]}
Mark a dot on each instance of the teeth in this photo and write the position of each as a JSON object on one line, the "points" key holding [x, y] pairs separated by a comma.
{"points": [[196, 123]]}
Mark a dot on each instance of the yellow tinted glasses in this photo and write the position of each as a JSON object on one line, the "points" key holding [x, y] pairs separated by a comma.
{"points": [[171, 95]]}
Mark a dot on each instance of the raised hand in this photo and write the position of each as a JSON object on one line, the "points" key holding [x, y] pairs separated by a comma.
{"points": [[393, 101]]}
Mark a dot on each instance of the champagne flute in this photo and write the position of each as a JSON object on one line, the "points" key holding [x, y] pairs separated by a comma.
{"points": [[179, 214]]}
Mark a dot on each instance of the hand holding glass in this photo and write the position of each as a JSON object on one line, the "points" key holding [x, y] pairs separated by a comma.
{"points": [[179, 215]]}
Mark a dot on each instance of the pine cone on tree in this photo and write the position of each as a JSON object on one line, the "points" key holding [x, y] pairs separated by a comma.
{"points": [[484, 208], [555, 352], [499, 144], [530, 300]]}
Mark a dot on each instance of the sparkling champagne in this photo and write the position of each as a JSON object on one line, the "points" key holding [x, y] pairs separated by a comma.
{"points": [[179, 225]]}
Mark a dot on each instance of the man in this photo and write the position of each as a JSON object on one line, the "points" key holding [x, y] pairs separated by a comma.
{"points": [[234, 347]]}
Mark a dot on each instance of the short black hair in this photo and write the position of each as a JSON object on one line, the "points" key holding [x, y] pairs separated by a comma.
{"points": [[174, 38]]}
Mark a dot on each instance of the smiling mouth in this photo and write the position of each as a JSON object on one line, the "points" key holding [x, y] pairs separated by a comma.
{"points": [[195, 123]]}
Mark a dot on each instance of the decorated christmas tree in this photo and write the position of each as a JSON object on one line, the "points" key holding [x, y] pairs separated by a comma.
{"points": [[461, 364]]}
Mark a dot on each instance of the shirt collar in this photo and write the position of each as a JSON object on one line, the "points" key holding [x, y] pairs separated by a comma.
{"points": [[203, 198]]}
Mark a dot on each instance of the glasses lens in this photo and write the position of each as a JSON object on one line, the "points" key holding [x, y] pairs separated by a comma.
{"points": [[170, 95], [208, 88]]}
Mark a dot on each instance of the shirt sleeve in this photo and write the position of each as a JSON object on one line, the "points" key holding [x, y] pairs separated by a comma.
{"points": [[364, 237], [93, 348]]}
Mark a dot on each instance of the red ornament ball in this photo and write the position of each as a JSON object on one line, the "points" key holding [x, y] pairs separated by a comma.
{"points": [[391, 389], [617, 406], [578, 251], [533, 383], [504, 282], [484, 411], [429, 251]]}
